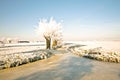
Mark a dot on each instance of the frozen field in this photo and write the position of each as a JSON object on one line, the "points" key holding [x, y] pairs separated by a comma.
{"points": [[63, 65], [18, 48], [107, 45]]}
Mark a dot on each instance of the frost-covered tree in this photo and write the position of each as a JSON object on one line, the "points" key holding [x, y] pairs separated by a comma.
{"points": [[57, 39], [51, 31]]}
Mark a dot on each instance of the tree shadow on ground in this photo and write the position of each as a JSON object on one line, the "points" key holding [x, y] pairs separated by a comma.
{"points": [[69, 68]]}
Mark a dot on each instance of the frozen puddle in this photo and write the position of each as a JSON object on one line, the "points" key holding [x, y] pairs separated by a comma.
{"points": [[63, 67]]}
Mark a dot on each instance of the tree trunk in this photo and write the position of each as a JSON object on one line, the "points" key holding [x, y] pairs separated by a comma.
{"points": [[54, 44], [48, 42]]}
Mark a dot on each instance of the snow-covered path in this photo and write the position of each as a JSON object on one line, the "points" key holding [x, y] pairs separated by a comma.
{"points": [[63, 66]]}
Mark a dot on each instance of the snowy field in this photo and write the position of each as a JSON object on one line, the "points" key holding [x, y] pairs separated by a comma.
{"points": [[107, 45], [107, 51], [20, 47], [81, 68], [24, 47], [12, 55], [65, 66]]}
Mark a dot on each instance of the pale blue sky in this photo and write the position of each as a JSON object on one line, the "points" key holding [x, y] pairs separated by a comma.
{"points": [[83, 19]]}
